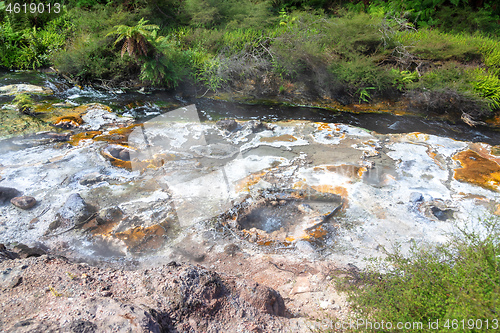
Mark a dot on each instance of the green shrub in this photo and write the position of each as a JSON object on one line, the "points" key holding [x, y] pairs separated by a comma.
{"points": [[229, 13], [455, 281], [451, 19], [167, 65], [32, 47], [448, 76], [435, 45], [90, 55], [445, 15], [401, 79], [94, 59], [363, 72]]}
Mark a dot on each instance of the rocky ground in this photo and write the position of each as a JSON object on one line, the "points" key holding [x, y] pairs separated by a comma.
{"points": [[47, 293]]}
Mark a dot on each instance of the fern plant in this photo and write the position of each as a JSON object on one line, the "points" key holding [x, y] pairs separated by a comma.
{"points": [[488, 86], [135, 39], [364, 95]]}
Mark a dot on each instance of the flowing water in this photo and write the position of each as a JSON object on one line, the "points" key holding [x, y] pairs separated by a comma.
{"points": [[154, 170]]}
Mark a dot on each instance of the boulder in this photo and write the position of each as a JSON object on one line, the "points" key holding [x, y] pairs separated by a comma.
{"points": [[74, 213], [24, 251], [7, 193]]}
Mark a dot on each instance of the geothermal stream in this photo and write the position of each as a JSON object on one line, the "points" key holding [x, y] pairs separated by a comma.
{"points": [[157, 178]]}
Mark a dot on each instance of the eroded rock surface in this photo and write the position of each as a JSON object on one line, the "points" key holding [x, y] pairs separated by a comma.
{"points": [[15, 89], [52, 294]]}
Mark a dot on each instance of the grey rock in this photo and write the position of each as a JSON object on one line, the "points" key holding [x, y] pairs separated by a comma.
{"points": [[304, 247], [23, 202], [416, 197], [7, 193], [109, 215], [256, 126], [74, 212], [227, 124], [92, 179], [83, 326], [6, 254], [442, 214], [11, 277], [59, 137], [24, 251]]}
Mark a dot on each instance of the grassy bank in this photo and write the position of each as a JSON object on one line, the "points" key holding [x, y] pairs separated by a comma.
{"points": [[452, 287], [444, 58]]}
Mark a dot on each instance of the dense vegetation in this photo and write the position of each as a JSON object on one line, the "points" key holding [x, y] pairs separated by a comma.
{"points": [[443, 55], [457, 284]]}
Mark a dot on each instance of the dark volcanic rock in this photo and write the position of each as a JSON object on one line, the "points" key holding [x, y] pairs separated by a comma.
{"points": [[227, 124], [24, 251], [24, 202], [256, 126], [83, 326], [442, 214], [6, 254], [7, 193]]}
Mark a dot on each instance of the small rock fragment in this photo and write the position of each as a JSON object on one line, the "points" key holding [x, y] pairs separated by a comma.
{"points": [[92, 178], [6, 254], [23, 202], [416, 197], [109, 215], [11, 277]]}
